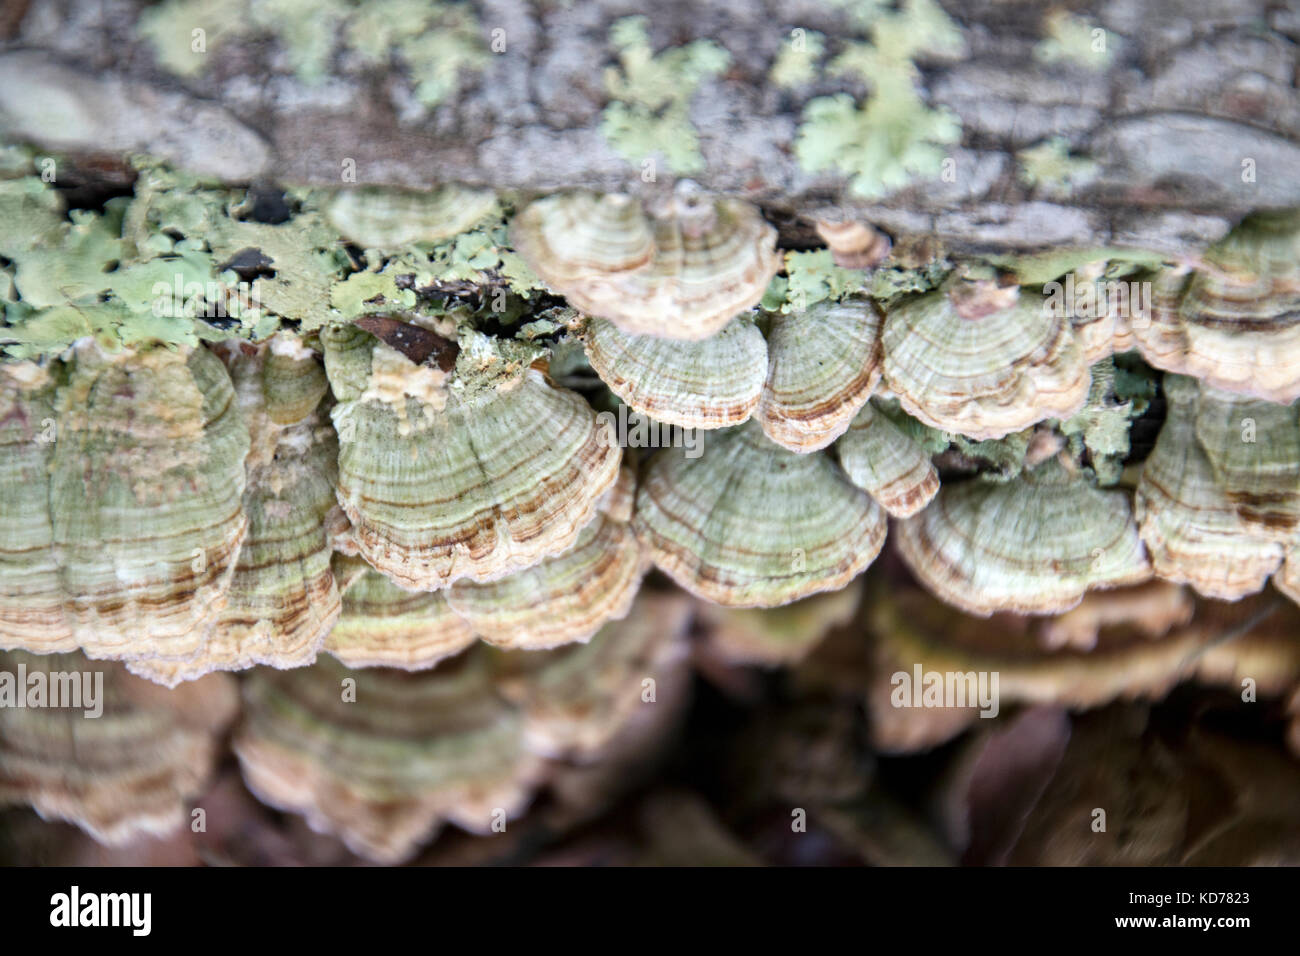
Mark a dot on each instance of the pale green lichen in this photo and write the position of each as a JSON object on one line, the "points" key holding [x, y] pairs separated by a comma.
{"points": [[1101, 427], [437, 42], [16, 161], [306, 29], [166, 265], [184, 32], [893, 137], [365, 293], [515, 271], [136, 285], [82, 276], [1039, 268], [538, 328], [932, 440], [488, 364], [1119, 393], [812, 277], [649, 112], [381, 26], [862, 14], [1050, 167], [1004, 457], [70, 262], [890, 283], [469, 255], [1135, 381], [796, 64], [300, 259], [917, 28], [302, 253], [1076, 41], [49, 331], [774, 295], [76, 276], [32, 212], [480, 257]]}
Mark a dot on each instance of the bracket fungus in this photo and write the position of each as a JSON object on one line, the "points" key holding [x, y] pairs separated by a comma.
{"points": [[1218, 520], [31, 592], [713, 383], [377, 218], [128, 771], [282, 599], [1287, 579], [752, 524], [1032, 545], [441, 484], [145, 495], [619, 500], [382, 625], [982, 360], [563, 599], [913, 632], [293, 380], [1253, 448], [577, 699], [385, 761], [1152, 609], [773, 637], [683, 271], [132, 518], [823, 364], [1262, 645], [570, 238], [884, 462], [1234, 321], [804, 383], [1102, 311], [853, 244]]}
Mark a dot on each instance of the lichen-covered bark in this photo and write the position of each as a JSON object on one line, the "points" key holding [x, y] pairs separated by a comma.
{"points": [[1194, 121]]}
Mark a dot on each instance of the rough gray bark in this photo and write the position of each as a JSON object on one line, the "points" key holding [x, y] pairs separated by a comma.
{"points": [[1197, 87]]}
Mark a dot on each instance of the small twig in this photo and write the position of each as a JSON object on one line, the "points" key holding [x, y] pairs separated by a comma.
{"points": [[1232, 633]]}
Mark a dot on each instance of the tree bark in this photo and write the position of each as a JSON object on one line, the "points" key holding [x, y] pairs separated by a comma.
{"points": [[1197, 92]]}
